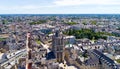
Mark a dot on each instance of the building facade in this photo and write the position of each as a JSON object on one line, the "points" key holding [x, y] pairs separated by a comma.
{"points": [[58, 46]]}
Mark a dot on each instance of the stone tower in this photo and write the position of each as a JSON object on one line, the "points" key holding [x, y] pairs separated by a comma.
{"points": [[58, 46]]}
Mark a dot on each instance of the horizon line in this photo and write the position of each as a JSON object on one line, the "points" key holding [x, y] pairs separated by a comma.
{"points": [[61, 14]]}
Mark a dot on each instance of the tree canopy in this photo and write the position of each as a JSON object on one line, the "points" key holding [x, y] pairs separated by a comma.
{"points": [[71, 23], [93, 22], [118, 60], [87, 33], [38, 22], [2, 39]]}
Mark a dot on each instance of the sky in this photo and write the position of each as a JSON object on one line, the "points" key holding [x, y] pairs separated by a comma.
{"points": [[59, 6]]}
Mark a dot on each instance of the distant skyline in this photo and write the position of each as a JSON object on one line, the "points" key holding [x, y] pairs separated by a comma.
{"points": [[60, 7]]}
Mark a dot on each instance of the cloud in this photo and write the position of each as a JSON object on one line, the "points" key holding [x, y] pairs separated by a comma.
{"points": [[65, 6], [85, 2], [24, 7]]}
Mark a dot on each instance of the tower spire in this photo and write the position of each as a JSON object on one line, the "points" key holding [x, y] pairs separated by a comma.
{"points": [[28, 63]]}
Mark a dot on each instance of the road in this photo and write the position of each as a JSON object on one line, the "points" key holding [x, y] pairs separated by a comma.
{"points": [[13, 59], [46, 47]]}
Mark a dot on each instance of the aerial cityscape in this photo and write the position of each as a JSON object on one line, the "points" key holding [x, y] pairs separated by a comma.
{"points": [[60, 34], [60, 41]]}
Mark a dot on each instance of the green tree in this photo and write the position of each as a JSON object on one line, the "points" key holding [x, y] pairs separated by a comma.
{"points": [[93, 22]]}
